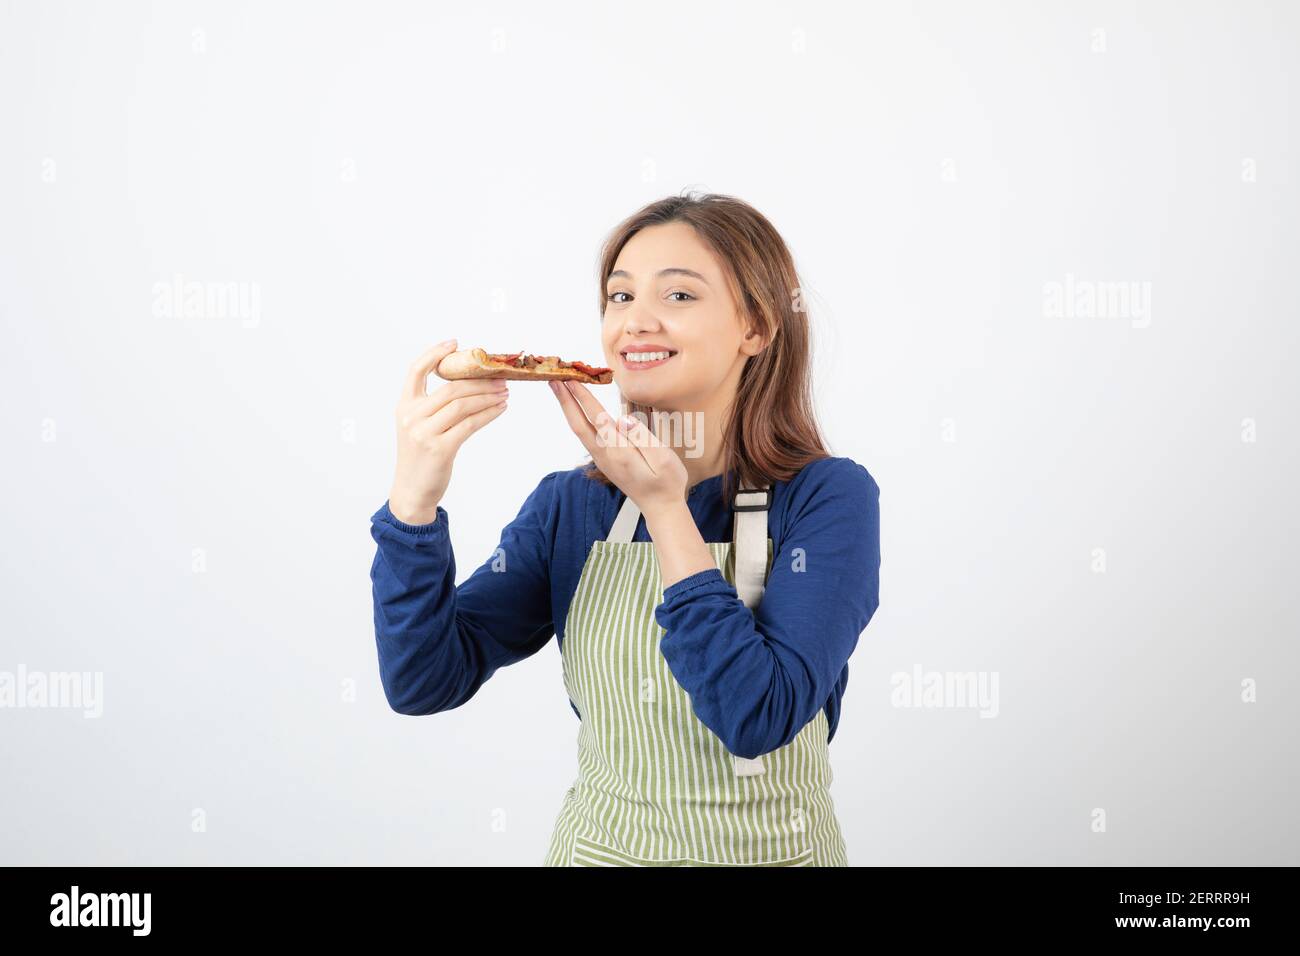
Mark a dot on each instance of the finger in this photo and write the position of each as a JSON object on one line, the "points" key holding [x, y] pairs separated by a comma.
{"points": [[428, 404], [637, 437], [454, 411], [601, 429], [603, 423], [418, 374], [588, 402], [472, 423], [610, 428], [577, 420], [641, 437], [637, 433]]}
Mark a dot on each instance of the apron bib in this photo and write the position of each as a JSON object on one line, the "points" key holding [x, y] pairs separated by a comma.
{"points": [[655, 786]]}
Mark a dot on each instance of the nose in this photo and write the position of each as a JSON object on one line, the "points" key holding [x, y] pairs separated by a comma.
{"points": [[641, 320]]}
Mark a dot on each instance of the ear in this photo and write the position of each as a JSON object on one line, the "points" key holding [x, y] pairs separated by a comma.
{"points": [[753, 342]]}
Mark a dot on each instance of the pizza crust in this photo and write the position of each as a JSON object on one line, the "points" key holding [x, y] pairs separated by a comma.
{"points": [[475, 363]]}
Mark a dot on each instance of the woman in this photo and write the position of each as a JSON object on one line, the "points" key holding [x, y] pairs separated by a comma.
{"points": [[707, 574]]}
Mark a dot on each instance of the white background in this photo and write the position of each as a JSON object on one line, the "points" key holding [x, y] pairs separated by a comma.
{"points": [[387, 175]]}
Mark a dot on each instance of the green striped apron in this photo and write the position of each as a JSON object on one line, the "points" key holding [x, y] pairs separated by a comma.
{"points": [[655, 786]]}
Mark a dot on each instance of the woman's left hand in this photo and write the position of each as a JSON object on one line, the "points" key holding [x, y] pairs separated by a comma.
{"points": [[631, 456]]}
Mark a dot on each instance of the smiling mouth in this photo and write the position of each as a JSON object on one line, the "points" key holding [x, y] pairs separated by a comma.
{"points": [[634, 360]]}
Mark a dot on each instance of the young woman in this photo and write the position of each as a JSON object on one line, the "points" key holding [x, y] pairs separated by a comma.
{"points": [[706, 575]]}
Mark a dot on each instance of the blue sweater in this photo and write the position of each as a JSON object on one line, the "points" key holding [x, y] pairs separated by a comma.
{"points": [[754, 678]]}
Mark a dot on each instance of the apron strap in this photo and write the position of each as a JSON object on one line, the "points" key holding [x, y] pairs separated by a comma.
{"points": [[749, 535], [625, 524]]}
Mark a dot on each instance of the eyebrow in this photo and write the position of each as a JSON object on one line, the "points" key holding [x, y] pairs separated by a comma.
{"points": [[673, 270]]}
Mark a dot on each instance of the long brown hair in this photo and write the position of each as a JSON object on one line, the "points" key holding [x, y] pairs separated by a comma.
{"points": [[771, 432]]}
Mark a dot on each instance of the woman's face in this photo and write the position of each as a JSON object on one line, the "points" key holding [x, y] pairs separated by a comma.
{"points": [[667, 294]]}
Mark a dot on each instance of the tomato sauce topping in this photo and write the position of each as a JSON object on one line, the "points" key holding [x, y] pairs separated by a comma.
{"points": [[525, 360]]}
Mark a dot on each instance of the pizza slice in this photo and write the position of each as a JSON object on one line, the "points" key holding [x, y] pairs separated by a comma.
{"points": [[519, 366]]}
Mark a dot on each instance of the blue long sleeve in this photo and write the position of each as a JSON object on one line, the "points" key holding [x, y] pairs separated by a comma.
{"points": [[438, 643], [757, 678], [754, 678]]}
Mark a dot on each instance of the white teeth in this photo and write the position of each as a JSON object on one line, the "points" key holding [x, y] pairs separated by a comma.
{"points": [[646, 356]]}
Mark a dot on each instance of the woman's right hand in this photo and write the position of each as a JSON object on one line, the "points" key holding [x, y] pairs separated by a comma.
{"points": [[430, 430]]}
